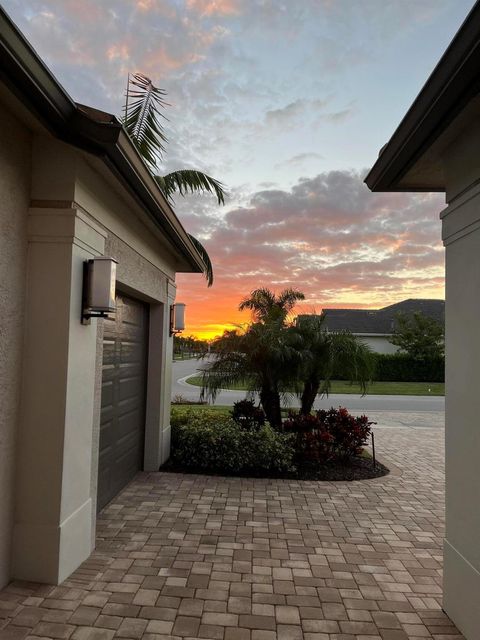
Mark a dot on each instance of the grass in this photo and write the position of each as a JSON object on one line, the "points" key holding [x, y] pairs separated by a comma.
{"points": [[222, 410], [376, 388]]}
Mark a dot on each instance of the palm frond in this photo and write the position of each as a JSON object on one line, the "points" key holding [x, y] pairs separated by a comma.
{"points": [[259, 301], [187, 181], [142, 117], [208, 270], [266, 306], [288, 298]]}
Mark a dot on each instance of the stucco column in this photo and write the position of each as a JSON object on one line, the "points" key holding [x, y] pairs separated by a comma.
{"points": [[159, 388], [53, 520], [461, 235]]}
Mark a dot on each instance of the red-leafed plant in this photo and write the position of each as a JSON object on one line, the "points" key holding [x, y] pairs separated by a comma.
{"points": [[349, 433], [313, 442], [327, 435]]}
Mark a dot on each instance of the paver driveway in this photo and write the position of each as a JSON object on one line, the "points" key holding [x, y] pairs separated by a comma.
{"points": [[240, 559]]}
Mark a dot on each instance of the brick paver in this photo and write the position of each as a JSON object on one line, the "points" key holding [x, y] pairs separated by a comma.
{"points": [[182, 556]]}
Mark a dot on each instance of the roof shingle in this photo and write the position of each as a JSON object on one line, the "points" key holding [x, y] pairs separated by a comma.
{"points": [[383, 320]]}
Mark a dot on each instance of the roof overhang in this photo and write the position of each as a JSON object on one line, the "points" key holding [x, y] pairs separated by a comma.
{"points": [[88, 129], [412, 159]]}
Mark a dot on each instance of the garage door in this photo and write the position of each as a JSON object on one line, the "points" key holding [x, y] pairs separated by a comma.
{"points": [[122, 423]]}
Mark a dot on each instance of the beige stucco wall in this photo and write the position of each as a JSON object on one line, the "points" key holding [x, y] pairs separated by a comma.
{"points": [[77, 212], [461, 234], [15, 148], [58, 208], [378, 344]]}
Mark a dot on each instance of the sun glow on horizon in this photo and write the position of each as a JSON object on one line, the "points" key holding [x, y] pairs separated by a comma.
{"points": [[205, 321]]}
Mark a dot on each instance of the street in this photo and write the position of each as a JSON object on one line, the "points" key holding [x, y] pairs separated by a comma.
{"points": [[408, 411]]}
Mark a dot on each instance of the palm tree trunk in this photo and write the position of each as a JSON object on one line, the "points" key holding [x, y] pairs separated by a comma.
{"points": [[310, 390], [270, 400]]}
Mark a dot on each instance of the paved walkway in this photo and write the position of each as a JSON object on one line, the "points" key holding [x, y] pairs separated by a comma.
{"points": [[240, 559]]}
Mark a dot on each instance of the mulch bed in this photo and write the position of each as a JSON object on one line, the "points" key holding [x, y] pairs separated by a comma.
{"points": [[358, 468]]}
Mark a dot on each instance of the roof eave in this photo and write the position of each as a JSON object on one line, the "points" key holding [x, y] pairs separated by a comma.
{"points": [[25, 74], [452, 84]]}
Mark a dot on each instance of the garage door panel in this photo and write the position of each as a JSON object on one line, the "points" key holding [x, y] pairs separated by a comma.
{"points": [[108, 352], [123, 398], [130, 387], [132, 354], [107, 393]]}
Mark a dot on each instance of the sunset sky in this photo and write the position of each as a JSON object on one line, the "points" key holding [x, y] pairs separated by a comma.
{"points": [[288, 104]]}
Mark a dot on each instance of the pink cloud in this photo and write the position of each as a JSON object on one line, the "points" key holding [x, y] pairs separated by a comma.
{"points": [[329, 237], [214, 7]]}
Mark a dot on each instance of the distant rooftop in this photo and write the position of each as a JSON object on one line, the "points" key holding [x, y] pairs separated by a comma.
{"points": [[382, 321]]}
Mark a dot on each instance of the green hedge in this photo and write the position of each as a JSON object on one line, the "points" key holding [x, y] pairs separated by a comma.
{"points": [[401, 367], [208, 442]]}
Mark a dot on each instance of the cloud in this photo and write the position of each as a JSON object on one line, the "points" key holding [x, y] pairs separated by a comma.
{"points": [[300, 158], [286, 114], [214, 7], [294, 113], [256, 88], [328, 236]]}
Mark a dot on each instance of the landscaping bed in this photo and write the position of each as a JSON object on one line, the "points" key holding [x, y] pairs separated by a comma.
{"points": [[328, 445], [359, 468]]}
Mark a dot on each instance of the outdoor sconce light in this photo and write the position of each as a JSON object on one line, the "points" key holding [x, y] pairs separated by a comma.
{"points": [[177, 318], [98, 298]]}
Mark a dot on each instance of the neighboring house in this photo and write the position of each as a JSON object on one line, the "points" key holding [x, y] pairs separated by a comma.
{"points": [[436, 147], [375, 327], [83, 407]]}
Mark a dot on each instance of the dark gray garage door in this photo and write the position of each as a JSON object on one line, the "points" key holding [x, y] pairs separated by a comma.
{"points": [[122, 423]]}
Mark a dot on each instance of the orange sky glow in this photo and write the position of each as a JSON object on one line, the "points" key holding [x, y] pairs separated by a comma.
{"points": [[287, 104], [209, 315]]}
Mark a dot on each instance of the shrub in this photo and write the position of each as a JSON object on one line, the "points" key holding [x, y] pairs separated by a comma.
{"points": [[349, 434], [211, 442], [313, 443], [401, 367], [328, 434], [247, 415]]}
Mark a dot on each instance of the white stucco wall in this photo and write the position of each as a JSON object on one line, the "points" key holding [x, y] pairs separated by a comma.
{"points": [[15, 144], [58, 208], [378, 344], [461, 234], [78, 212]]}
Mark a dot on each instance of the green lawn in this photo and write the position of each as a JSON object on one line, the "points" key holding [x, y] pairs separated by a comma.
{"points": [[376, 388], [220, 409]]}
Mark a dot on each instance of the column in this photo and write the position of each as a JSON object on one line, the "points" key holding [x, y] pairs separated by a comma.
{"points": [[53, 522]]}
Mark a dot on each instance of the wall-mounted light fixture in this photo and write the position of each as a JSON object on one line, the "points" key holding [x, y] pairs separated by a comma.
{"points": [[98, 297], [177, 318]]}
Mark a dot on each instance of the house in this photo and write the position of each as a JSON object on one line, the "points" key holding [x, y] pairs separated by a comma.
{"points": [[436, 148], [83, 406], [375, 327]]}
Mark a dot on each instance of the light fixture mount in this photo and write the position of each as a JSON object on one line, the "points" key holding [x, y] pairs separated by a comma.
{"points": [[98, 292], [177, 318]]}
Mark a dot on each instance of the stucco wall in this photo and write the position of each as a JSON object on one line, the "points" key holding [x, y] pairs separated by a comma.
{"points": [[75, 211], [15, 149], [379, 344], [461, 234]]}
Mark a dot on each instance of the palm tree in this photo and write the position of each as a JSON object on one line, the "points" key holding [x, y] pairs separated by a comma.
{"points": [[142, 119], [266, 306], [323, 354], [261, 357], [265, 357]]}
